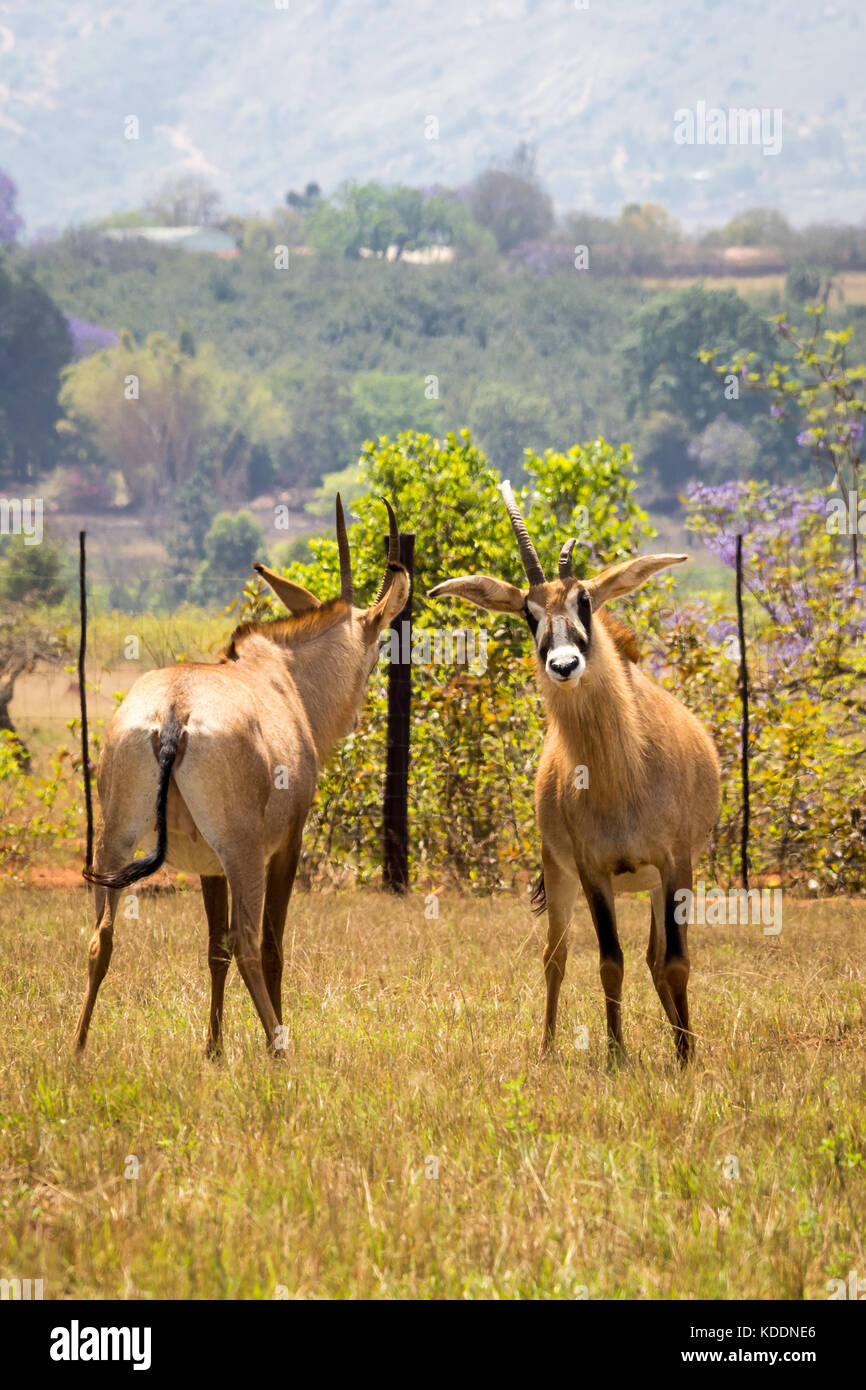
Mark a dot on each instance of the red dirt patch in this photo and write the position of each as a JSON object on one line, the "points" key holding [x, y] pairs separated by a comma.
{"points": [[69, 876]]}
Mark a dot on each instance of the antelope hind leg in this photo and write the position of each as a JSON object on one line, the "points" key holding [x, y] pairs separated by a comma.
{"points": [[102, 940], [214, 890]]}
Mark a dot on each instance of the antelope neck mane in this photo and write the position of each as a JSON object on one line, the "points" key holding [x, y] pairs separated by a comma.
{"points": [[600, 719], [289, 632]]}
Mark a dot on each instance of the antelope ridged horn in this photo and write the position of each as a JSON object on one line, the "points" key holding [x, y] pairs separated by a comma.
{"points": [[565, 571], [393, 551], [531, 562], [347, 593]]}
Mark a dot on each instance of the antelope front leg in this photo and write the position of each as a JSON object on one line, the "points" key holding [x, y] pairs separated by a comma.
{"points": [[599, 895], [655, 953], [560, 888], [674, 970], [278, 891], [246, 879]]}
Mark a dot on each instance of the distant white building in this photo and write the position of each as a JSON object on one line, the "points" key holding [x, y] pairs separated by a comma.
{"points": [[425, 255], [203, 239]]}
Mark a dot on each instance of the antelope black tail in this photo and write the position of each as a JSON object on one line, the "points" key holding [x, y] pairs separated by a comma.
{"points": [[170, 736]]}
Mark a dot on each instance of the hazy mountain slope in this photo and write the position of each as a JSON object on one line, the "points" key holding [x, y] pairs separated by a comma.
{"points": [[263, 98]]}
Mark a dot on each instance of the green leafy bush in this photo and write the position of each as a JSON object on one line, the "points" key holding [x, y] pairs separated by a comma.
{"points": [[476, 725], [36, 813]]}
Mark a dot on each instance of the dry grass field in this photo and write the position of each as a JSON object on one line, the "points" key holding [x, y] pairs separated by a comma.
{"points": [[849, 286], [411, 1144]]}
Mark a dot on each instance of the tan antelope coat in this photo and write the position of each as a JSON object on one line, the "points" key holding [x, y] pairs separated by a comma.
{"points": [[627, 788], [212, 768]]}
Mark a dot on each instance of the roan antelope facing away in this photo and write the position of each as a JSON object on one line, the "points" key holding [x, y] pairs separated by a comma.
{"points": [[650, 796], [229, 754]]}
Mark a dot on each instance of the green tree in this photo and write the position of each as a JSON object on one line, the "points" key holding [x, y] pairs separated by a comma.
{"points": [[661, 356], [32, 573], [385, 403], [259, 235], [318, 403], [804, 282], [372, 217], [506, 419], [347, 481], [725, 450], [663, 372], [302, 202], [646, 234], [188, 200], [35, 345], [231, 545], [23, 643], [663, 448], [755, 227], [510, 201], [194, 510], [474, 722], [590, 487], [334, 229], [162, 410], [821, 394]]}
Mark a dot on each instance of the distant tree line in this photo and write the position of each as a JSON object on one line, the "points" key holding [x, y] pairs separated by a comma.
{"points": [[180, 387]]}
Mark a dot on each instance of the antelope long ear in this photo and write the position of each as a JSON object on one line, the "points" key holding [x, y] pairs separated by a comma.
{"points": [[296, 598], [494, 594], [627, 576]]}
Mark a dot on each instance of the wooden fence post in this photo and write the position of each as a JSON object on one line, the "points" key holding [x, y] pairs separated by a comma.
{"points": [[395, 817]]}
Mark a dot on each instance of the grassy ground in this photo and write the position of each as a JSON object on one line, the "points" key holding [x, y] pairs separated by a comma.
{"points": [[411, 1144], [120, 647]]}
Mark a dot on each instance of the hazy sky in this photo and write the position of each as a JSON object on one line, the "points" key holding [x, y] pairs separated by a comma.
{"points": [[261, 98]]}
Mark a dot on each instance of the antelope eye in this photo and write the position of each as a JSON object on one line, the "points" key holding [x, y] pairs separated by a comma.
{"points": [[583, 602]]}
